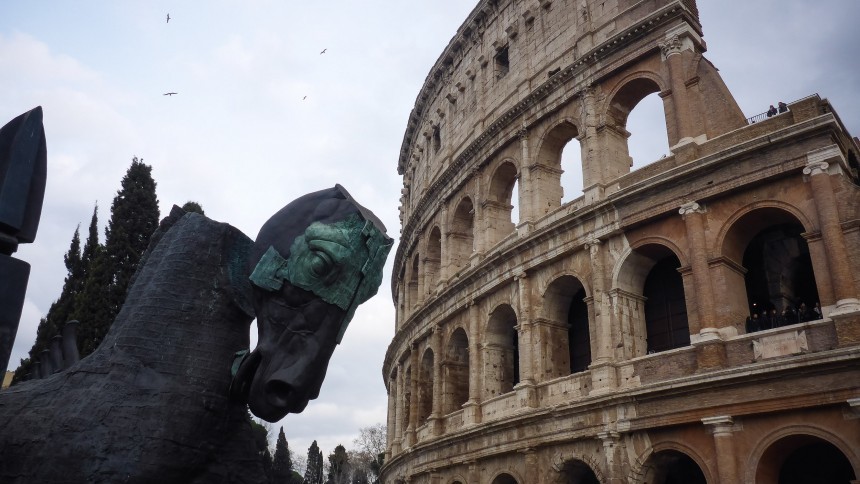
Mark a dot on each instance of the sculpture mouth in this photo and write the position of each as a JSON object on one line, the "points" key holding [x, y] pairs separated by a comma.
{"points": [[240, 385]]}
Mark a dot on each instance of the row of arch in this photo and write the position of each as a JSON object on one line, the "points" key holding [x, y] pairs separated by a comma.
{"points": [[796, 458], [779, 273], [476, 224]]}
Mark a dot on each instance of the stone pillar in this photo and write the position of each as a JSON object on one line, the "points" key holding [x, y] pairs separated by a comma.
{"points": [[529, 186], [413, 405], [472, 408], [677, 51], [436, 414], [722, 428], [604, 333], [526, 333], [694, 219], [611, 451], [392, 418], [816, 172], [397, 439], [532, 469], [526, 392]]}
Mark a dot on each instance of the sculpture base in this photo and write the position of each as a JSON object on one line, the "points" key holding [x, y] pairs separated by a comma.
{"points": [[14, 274]]}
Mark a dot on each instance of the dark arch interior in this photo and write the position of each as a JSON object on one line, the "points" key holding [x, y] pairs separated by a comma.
{"points": [[665, 308], [779, 271], [579, 340], [673, 467], [816, 463], [578, 472], [505, 479]]}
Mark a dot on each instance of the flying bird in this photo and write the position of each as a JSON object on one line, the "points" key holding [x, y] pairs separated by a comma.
{"points": [[168, 18], [170, 93], [323, 51], [304, 98]]}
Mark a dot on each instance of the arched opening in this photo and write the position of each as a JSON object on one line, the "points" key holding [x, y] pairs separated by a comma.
{"points": [[666, 325], [434, 260], [571, 164], [501, 362], [498, 210], [673, 467], [425, 386], [548, 172], [413, 282], [407, 398], [780, 282], [617, 161], [578, 472], [566, 338], [802, 459], [779, 285], [462, 234], [504, 479], [648, 140], [515, 203], [456, 371]]}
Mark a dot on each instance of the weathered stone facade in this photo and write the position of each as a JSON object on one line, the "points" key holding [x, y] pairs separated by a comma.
{"points": [[606, 339]]}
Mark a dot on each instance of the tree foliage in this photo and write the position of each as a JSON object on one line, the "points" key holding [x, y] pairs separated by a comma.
{"points": [[282, 465], [314, 471], [371, 450], [261, 443], [134, 217], [339, 469]]}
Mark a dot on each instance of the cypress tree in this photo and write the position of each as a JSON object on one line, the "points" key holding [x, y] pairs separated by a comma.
{"points": [[282, 465], [314, 471], [339, 469], [60, 310], [134, 217]]}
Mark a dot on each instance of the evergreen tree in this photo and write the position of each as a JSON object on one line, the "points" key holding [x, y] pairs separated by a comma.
{"points": [[134, 217], [60, 310], [282, 465], [195, 207], [314, 471], [261, 441], [339, 470]]}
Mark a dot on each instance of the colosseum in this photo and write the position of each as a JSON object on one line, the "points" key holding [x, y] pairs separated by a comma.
{"points": [[695, 320]]}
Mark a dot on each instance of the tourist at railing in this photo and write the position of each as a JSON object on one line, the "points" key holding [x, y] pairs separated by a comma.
{"points": [[771, 111]]}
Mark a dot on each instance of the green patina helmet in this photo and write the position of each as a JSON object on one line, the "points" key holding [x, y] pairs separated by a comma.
{"points": [[339, 260]]}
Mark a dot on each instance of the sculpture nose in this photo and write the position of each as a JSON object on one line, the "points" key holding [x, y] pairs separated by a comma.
{"points": [[277, 392]]}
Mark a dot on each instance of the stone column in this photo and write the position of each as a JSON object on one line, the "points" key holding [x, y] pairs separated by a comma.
{"points": [[694, 219], [413, 405], [398, 412], [816, 172], [526, 332], [392, 418], [722, 428], [611, 451], [436, 414], [532, 469], [705, 331], [603, 332], [677, 50], [528, 186], [472, 408]]}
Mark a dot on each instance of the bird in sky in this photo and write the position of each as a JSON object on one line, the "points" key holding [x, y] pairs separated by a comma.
{"points": [[168, 18], [170, 93], [323, 51], [304, 98]]}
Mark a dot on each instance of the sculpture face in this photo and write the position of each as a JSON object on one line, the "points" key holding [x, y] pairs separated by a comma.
{"points": [[305, 296]]}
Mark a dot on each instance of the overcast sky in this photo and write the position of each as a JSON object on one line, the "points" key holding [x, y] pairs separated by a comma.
{"points": [[261, 117]]}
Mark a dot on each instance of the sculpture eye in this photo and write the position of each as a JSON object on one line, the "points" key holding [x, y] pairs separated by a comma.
{"points": [[320, 263]]}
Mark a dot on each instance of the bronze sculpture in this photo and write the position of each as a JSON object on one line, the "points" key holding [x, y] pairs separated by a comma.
{"points": [[152, 403]]}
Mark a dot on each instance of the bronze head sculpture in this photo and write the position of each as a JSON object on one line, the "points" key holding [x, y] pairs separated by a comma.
{"points": [[314, 262]]}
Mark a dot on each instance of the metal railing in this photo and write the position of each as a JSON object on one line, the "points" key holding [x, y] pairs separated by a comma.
{"points": [[763, 116]]}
